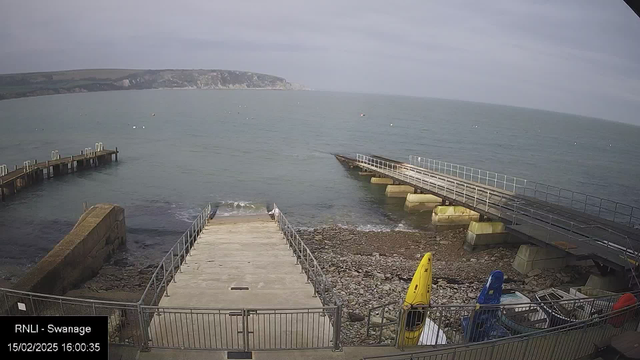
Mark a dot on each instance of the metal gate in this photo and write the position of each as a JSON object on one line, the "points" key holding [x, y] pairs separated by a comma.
{"points": [[242, 329]]}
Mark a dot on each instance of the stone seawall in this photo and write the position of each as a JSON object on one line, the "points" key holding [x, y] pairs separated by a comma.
{"points": [[80, 254]]}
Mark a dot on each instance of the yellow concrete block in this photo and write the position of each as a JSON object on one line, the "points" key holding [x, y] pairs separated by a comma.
{"points": [[421, 202], [426, 198], [486, 227], [398, 190], [453, 215], [381, 181]]}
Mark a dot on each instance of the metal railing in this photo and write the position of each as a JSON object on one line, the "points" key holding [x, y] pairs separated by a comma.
{"points": [[124, 318], [567, 342], [171, 263], [593, 205], [503, 320], [308, 263], [498, 203], [242, 329]]}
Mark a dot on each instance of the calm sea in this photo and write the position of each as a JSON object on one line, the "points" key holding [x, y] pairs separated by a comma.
{"points": [[249, 148]]}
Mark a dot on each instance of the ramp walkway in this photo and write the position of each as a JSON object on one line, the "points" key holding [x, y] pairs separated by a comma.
{"points": [[240, 288]]}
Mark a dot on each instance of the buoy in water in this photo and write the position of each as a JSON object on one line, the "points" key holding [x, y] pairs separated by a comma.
{"points": [[362, 115], [134, 126], [390, 124]]}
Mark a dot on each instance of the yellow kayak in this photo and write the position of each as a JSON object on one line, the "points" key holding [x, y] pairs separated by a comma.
{"points": [[419, 293]]}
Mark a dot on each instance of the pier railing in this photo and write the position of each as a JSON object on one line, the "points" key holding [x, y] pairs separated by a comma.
{"points": [[571, 341], [594, 205], [172, 262], [498, 203]]}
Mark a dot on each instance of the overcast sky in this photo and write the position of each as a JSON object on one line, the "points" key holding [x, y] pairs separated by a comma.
{"points": [[576, 56]]}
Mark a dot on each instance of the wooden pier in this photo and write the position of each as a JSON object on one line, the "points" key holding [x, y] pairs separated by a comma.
{"points": [[32, 171]]}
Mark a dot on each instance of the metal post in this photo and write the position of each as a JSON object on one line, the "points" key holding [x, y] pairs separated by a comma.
{"points": [[546, 194], [487, 205], [475, 198], [143, 329], [245, 329], [173, 268], [337, 328], [600, 207]]}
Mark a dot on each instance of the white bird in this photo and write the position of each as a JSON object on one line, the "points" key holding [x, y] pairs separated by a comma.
{"points": [[134, 126], [143, 126], [390, 124]]}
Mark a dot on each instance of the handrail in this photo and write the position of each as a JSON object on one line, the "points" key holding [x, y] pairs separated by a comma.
{"points": [[63, 298], [308, 263], [578, 325], [523, 186], [169, 264], [481, 198]]}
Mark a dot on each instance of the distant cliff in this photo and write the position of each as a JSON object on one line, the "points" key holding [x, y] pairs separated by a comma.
{"points": [[75, 81]]}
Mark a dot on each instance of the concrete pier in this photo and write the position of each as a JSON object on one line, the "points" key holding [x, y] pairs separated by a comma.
{"points": [[421, 202], [33, 171], [80, 254], [398, 190]]}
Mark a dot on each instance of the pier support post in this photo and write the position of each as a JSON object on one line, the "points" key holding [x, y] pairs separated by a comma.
{"points": [[398, 190], [381, 181], [453, 216], [421, 202], [484, 235], [532, 257], [116, 154]]}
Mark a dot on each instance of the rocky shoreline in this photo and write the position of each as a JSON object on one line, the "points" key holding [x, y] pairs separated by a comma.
{"points": [[370, 268], [120, 279]]}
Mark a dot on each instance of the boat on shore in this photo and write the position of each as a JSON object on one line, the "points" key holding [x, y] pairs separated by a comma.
{"points": [[523, 317], [417, 298], [563, 308], [483, 324]]}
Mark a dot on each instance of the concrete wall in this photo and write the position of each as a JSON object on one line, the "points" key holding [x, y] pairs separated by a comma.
{"points": [[81, 253]]}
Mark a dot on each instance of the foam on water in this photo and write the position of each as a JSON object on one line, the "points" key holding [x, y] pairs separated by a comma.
{"points": [[363, 227], [239, 208], [187, 215]]}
